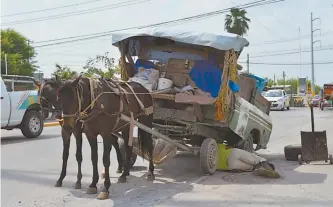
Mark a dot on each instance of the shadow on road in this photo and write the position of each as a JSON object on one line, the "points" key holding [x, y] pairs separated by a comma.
{"points": [[19, 139], [267, 201]]}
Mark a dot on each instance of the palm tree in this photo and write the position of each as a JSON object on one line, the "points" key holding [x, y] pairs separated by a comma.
{"points": [[236, 22]]}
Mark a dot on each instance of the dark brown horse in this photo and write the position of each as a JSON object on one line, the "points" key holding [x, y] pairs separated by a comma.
{"points": [[48, 95], [103, 118]]}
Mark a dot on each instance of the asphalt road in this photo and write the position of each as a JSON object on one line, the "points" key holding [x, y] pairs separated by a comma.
{"points": [[30, 168]]}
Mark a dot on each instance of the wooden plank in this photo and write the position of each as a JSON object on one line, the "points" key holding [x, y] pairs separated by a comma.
{"points": [[163, 96], [169, 114], [198, 112]]}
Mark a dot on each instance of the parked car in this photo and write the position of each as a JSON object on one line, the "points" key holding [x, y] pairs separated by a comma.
{"points": [[278, 98], [20, 109]]}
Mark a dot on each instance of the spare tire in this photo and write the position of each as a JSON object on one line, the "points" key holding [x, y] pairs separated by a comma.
{"points": [[291, 152]]}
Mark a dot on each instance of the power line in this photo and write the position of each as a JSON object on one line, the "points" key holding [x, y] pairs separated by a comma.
{"points": [[186, 19], [290, 39], [262, 63], [295, 52], [86, 11], [49, 9]]}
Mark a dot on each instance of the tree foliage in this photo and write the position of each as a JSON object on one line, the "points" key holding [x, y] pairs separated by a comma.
{"points": [[20, 54], [101, 66], [64, 72], [236, 22]]}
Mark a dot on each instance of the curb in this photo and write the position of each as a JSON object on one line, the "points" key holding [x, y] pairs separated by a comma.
{"points": [[50, 124]]}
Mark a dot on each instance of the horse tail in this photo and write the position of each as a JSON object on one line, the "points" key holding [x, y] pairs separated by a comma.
{"points": [[145, 140]]}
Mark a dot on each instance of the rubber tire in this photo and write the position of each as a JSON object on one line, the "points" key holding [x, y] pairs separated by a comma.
{"points": [[291, 152], [205, 156], [288, 108], [122, 151], [25, 129]]}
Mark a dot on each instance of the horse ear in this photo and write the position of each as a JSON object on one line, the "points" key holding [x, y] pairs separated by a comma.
{"points": [[76, 81], [37, 83], [57, 78]]}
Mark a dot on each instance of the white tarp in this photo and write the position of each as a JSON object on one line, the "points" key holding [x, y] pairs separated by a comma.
{"points": [[224, 41]]}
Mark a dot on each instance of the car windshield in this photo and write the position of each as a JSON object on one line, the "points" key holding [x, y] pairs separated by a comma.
{"points": [[273, 94]]}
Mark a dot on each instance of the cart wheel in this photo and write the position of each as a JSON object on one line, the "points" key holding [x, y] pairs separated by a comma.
{"points": [[330, 157], [300, 159], [208, 156]]}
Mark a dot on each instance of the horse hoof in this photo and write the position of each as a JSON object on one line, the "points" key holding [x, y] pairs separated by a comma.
{"points": [[122, 179], [119, 171], [92, 190], [77, 185], [151, 177], [103, 195], [58, 184], [102, 175]]}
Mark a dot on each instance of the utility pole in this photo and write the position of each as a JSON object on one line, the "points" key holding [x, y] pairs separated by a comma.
{"points": [[274, 80], [248, 64], [284, 79], [6, 64], [312, 56], [28, 45]]}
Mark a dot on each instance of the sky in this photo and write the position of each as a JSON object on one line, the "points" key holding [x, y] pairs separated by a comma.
{"points": [[278, 28]]}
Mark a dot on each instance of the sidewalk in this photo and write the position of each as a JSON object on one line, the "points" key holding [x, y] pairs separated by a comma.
{"points": [[306, 185]]}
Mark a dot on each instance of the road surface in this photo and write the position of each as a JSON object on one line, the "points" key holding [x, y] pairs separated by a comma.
{"points": [[30, 168]]}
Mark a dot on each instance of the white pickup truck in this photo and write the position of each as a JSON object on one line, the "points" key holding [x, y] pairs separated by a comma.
{"points": [[20, 108]]}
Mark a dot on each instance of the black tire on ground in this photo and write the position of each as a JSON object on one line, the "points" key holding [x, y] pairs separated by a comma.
{"points": [[291, 152], [32, 124], [208, 156], [122, 151], [288, 108]]}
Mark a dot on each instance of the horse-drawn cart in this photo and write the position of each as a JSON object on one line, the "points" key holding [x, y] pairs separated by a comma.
{"points": [[199, 98]]}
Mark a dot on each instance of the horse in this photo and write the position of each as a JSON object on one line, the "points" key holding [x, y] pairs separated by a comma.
{"points": [[102, 116], [48, 99]]}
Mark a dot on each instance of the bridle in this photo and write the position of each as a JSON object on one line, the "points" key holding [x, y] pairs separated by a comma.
{"points": [[42, 100]]}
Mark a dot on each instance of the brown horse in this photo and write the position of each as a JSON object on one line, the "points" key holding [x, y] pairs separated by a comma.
{"points": [[48, 99], [102, 117]]}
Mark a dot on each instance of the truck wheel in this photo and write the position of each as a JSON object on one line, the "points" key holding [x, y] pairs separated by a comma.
{"points": [[32, 124], [208, 156], [122, 151], [291, 152], [246, 144]]}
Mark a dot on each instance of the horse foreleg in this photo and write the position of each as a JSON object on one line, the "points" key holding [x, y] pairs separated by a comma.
{"points": [[66, 143], [78, 138], [107, 140], [128, 155], [92, 139]]}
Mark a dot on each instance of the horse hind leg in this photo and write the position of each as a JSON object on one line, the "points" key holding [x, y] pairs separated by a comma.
{"points": [[147, 143]]}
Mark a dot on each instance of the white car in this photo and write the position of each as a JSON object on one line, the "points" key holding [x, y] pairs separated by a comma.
{"points": [[21, 108], [278, 98]]}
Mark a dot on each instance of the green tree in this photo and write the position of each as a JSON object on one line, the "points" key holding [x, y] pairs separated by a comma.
{"points": [[64, 72], [236, 22], [20, 54], [93, 66]]}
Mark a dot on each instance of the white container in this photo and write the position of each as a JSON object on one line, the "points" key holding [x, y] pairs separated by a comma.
{"points": [[164, 83]]}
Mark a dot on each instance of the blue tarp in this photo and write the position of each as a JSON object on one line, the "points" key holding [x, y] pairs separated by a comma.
{"points": [[207, 77]]}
